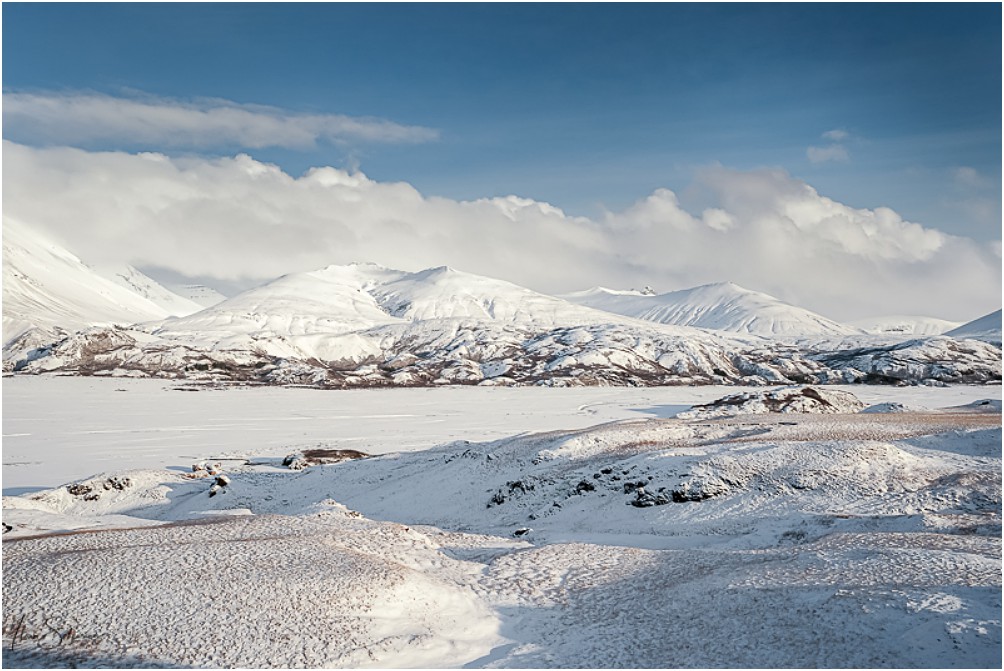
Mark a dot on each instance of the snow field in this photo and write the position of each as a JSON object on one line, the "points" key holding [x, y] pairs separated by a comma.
{"points": [[246, 592], [780, 540]]}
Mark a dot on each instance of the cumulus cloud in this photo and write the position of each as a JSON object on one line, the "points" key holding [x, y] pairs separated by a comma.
{"points": [[833, 152], [238, 219], [84, 119], [836, 135]]}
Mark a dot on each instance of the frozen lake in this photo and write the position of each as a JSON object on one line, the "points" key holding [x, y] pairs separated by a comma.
{"points": [[60, 429]]}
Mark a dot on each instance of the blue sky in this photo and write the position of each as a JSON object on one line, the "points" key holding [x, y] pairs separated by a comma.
{"points": [[582, 106], [844, 158]]}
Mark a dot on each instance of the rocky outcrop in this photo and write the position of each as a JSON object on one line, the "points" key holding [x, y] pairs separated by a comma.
{"points": [[457, 352]]}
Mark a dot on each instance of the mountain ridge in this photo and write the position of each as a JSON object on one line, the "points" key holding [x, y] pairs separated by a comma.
{"points": [[47, 287], [723, 306]]}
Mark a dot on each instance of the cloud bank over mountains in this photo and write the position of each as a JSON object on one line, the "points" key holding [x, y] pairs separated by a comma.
{"points": [[82, 119], [238, 219]]}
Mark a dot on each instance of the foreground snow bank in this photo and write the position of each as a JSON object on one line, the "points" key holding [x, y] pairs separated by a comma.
{"points": [[791, 540], [247, 592]]}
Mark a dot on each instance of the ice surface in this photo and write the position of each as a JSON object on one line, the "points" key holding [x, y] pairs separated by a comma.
{"points": [[58, 429]]}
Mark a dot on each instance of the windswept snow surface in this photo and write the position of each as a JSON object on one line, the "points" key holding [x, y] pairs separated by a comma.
{"points": [[722, 306], [772, 540]]}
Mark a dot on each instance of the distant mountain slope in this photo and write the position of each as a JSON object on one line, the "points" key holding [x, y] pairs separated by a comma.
{"points": [[342, 299], [366, 325], [724, 306], [987, 326], [132, 279], [47, 287], [905, 325], [444, 292], [198, 293], [330, 300]]}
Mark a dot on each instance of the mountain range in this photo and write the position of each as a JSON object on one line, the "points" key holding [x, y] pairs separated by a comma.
{"points": [[363, 324]]}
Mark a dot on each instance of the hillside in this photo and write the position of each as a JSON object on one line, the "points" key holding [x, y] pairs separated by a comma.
{"points": [[46, 287], [905, 325], [132, 279], [723, 306], [987, 326]]}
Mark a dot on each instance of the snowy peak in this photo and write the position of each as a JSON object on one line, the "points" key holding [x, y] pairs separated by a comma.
{"points": [[47, 287], [721, 306], [447, 293], [340, 299], [134, 280], [334, 299], [987, 326]]}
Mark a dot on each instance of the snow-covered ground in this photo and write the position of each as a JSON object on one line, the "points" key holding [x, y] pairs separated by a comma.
{"points": [[498, 527], [59, 429]]}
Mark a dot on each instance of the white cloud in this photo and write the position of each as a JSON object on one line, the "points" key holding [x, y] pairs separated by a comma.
{"points": [[833, 152], [969, 178], [237, 219], [836, 135], [83, 119]]}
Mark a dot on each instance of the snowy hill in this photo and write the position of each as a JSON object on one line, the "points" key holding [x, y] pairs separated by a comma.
{"points": [[724, 306], [46, 287], [987, 326], [758, 541], [332, 300], [133, 280], [339, 299], [905, 325], [443, 292]]}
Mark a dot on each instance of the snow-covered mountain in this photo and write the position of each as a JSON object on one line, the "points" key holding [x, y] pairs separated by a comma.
{"points": [[987, 326], [366, 325], [48, 288], [723, 306], [134, 280], [328, 301], [444, 292], [198, 293], [342, 299], [905, 325]]}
